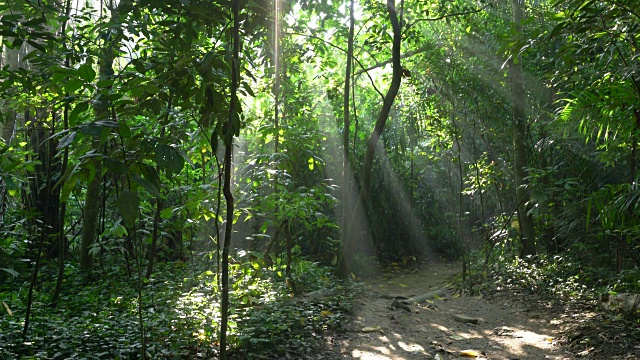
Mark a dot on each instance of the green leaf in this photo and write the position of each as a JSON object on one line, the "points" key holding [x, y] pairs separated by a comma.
{"points": [[11, 272], [115, 166], [36, 45], [147, 185], [67, 140], [168, 212], [152, 88], [139, 65], [169, 159], [105, 83], [92, 129], [87, 73], [137, 91], [73, 84], [128, 205], [77, 110], [124, 129]]}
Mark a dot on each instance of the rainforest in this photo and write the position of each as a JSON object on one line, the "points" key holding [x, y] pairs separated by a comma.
{"points": [[295, 179]]}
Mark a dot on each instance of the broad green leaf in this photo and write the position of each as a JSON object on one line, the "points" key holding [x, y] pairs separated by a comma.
{"points": [[168, 212], [73, 84], [139, 65], [114, 165], [152, 88], [169, 159], [86, 73], [137, 91], [105, 83], [147, 185], [124, 129], [128, 206], [77, 110]]}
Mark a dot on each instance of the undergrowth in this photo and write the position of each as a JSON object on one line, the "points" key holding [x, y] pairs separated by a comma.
{"points": [[97, 315], [560, 276]]}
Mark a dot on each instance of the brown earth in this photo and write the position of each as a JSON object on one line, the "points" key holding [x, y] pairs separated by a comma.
{"points": [[510, 325]]}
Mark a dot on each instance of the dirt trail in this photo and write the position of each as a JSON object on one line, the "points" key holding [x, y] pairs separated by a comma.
{"points": [[508, 328]]}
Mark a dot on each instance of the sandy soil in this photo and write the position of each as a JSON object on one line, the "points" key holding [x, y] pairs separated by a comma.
{"points": [[509, 327]]}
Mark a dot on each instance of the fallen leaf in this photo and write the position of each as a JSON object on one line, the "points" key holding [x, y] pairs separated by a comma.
{"points": [[457, 337], [470, 353], [402, 285], [369, 329]]}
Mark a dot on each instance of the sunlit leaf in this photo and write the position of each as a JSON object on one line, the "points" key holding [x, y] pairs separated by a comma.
{"points": [[369, 329], [470, 353], [6, 307]]}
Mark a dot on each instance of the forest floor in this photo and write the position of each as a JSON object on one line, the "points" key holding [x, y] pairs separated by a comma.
{"points": [[511, 325]]}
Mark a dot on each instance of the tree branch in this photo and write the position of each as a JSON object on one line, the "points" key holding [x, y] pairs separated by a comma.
{"points": [[474, 11], [344, 51]]}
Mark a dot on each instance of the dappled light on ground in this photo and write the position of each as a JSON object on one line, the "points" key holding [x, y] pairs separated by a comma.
{"points": [[507, 328], [389, 349]]}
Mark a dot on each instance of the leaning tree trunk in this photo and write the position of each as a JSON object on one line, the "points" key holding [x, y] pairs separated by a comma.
{"points": [[349, 234], [527, 230]]}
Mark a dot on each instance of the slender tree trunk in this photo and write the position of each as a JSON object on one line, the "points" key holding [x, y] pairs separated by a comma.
{"points": [[228, 195], [154, 238], [527, 230], [634, 149], [62, 239], [348, 237], [90, 217], [276, 86], [346, 169]]}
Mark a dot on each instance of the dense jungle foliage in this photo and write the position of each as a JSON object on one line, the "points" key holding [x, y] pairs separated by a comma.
{"points": [[175, 175]]}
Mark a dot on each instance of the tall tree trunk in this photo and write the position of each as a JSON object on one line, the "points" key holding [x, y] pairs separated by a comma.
{"points": [[346, 169], [527, 230], [228, 195], [349, 236], [101, 110]]}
